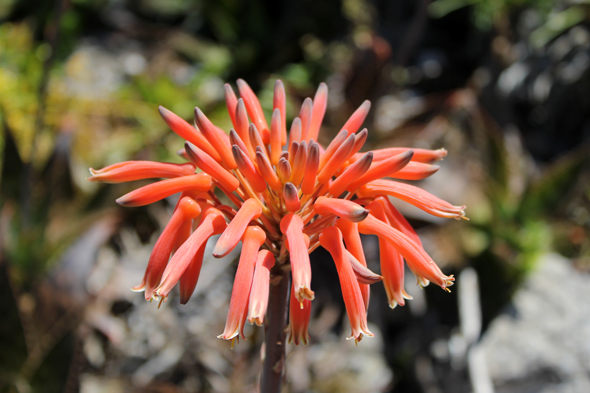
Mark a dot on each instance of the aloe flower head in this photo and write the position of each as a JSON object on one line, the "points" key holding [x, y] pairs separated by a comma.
{"points": [[282, 194]]}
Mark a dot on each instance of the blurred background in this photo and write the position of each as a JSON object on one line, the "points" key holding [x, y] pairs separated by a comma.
{"points": [[503, 85]]}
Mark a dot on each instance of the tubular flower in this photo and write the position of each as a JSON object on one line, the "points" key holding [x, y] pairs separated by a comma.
{"points": [[259, 292], [331, 240], [283, 195], [392, 262]]}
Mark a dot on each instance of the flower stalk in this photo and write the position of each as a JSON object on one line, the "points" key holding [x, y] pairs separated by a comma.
{"points": [[275, 343]]}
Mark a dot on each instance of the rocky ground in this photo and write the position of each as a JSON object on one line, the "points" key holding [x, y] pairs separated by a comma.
{"points": [[542, 342]]}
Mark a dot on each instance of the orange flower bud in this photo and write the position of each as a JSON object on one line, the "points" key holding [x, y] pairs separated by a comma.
{"points": [[228, 240], [358, 117], [188, 132], [320, 102], [211, 167], [343, 208], [163, 189], [280, 102], [139, 170], [254, 110]]}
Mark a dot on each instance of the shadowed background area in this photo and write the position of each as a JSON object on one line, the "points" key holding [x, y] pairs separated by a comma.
{"points": [[503, 85]]}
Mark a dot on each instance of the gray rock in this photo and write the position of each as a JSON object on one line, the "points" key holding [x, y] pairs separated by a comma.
{"points": [[545, 345]]}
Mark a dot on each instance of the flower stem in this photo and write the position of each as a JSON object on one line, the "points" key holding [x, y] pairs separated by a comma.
{"points": [[275, 338]]}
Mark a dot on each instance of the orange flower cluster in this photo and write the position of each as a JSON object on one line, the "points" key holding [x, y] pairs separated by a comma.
{"points": [[283, 196]]}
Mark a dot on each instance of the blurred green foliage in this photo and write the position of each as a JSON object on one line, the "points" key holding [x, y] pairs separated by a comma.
{"points": [[487, 12]]}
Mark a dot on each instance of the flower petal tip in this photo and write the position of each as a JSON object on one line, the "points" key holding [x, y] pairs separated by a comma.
{"points": [[258, 320], [448, 281], [222, 249], [359, 338], [363, 274], [163, 111], [228, 337], [360, 215], [122, 201], [138, 288], [442, 152], [306, 293], [346, 209]]}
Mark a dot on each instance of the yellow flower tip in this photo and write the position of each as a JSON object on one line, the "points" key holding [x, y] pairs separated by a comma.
{"points": [[359, 338], [139, 288], [448, 281], [422, 282], [399, 297], [298, 319], [306, 293], [228, 337], [258, 321], [442, 152]]}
